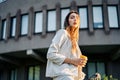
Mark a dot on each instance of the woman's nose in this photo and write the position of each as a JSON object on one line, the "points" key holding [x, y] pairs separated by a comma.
{"points": [[75, 19]]}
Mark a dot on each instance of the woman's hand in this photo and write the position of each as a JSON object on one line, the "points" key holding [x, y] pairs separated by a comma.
{"points": [[79, 62]]}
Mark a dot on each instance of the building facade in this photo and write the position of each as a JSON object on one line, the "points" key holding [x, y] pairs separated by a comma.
{"points": [[28, 26]]}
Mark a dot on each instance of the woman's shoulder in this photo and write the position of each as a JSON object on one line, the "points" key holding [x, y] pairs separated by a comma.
{"points": [[60, 35], [61, 31]]}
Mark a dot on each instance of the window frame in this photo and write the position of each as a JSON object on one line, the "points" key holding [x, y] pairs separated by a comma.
{"points": [[62, 25], [21, 25], [33, 78], [48, 21], [101, 17], [117, 17], [11, 27], [2, 29], [13, 73], [35, 22], [86, 7], [96, 67]]}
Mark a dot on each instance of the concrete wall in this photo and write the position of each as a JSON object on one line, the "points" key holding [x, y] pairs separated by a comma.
{"points": [[89, 36], [104, 41]]}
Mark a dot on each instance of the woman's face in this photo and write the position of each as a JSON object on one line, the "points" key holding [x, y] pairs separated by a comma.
{"points": [[73, 20]]}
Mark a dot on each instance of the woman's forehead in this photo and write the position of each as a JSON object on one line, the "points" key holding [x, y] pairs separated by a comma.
{"points": [[74, 14]]}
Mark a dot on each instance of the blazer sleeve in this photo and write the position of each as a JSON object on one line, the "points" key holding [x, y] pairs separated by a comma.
{"points": [[53, 53]]}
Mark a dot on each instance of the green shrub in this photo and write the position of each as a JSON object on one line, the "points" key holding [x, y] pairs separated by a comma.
{"points": [[110, 77]]}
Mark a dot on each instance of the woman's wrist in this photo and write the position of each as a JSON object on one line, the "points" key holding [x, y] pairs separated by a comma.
{"points": [[69, 61]]}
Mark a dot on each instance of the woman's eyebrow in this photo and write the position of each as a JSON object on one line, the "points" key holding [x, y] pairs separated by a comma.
{"points": [[72, 15]]}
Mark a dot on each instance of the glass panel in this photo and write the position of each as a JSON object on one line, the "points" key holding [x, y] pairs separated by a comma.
{"points": [[91, 69], [2, 1], [37, 73], [24, 25], [83, 17], [51, 21], [30, 74], [38, 22], [4, 29], [16, 74], [13, 27], [97, 17], [112, 15], [13, 75], [101, 68], [64, 13]]}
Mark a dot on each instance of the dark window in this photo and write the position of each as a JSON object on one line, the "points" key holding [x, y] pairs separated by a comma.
{"points": [[3, 32], [38, 22], [113, 16], [83, 18], [51, 21], [97, 17], [34, 73], [64, 13], [94, 67], [13, 27], [24, 25], [13, 75]]}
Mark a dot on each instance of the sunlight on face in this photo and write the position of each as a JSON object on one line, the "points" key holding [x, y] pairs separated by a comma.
{"points": [[73, 20]]}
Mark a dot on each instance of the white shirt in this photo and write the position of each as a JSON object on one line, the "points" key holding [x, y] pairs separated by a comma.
{"points": [[60, 49]]}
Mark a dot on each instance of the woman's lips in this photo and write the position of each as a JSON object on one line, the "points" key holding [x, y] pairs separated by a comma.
{"points": [[75, 23]]}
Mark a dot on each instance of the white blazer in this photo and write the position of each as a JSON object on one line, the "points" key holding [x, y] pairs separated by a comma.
{"points": [[60, 49]]}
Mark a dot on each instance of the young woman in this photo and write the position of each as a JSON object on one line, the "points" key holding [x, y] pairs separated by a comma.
{"points": [[63, 56]]}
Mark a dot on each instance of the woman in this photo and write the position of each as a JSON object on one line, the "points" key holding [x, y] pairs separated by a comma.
{"points": [[63, 57]]}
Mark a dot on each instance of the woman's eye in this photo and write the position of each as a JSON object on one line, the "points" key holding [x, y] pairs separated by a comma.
{"points": [[72, 17]]}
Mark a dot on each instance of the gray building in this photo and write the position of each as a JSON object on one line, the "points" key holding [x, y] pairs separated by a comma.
{"points": [[28, 26]]}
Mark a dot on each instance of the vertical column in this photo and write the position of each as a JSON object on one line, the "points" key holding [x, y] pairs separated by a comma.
{"points": [[73, 6], [0, 27], [31, 23], [90, 16], [18, 24], [105, 16], [44, 9], [8, 21], [58, 17]]}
